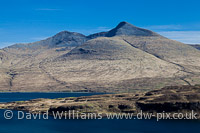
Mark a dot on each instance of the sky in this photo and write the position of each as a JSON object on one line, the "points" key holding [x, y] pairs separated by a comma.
{"points": [[23, 21]]}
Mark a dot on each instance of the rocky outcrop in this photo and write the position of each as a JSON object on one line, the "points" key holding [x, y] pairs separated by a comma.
{"points": [[171, 99], [96, 103]]}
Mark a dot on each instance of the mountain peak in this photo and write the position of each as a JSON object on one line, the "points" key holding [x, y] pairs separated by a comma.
{"points": [[65, 33], [125, 28], [123, 23]]}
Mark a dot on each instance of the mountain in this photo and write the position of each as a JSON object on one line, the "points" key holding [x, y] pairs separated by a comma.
{"points": [[124, 59]]}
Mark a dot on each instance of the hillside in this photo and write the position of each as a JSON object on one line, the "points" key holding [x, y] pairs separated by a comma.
{"points": [[126, 58], [108, 59]]}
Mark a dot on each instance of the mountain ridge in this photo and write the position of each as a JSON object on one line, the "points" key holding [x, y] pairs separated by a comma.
{"points": [[123, 28]]}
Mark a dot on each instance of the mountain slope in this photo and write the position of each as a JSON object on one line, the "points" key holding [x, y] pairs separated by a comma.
{"points": [[102, 63], [108, 59], [33, 53], [22, 72], [63, 41], [2, 56], [166, 49]]}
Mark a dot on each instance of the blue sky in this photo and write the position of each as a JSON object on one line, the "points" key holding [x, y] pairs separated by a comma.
{"points": [[32, 20]]}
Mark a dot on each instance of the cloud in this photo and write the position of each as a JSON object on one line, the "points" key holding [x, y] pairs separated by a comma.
{"points": [[165, 27], [178, 27], [102, 29], [38, 38], [88, 31], [48, 9], [189, 37], [187, 33]]}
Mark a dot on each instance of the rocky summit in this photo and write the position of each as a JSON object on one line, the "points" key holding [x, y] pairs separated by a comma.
{"points": [[125, 59]]}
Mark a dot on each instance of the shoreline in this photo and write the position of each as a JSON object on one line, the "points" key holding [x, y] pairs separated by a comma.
{"points": [[58, 92], [171, 99]]}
